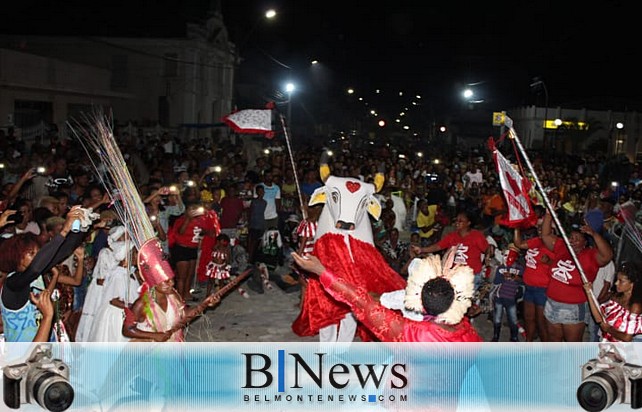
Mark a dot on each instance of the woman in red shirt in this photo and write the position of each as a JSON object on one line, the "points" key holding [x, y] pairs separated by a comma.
{"points": [[565, 309], [471, 245], [620, 317], [537, 274], [184, 240]]}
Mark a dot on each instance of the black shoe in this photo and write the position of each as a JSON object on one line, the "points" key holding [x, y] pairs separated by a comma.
{"points": [[496, 332]]}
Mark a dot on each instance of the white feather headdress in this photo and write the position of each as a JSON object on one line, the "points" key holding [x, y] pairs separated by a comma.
{"points": [[461, 278]]}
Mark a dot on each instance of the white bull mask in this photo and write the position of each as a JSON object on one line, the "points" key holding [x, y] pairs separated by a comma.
{"points": [[347, 202]]}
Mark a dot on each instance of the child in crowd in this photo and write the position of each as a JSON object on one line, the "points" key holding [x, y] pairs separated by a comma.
{"points": [[508, 277], [218, 269]]}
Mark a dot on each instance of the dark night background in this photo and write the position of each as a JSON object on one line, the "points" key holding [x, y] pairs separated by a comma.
{"points": [[587, 53]]}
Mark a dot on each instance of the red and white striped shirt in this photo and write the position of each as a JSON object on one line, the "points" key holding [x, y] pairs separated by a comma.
{"points": [[621, 319], [307, 230]]}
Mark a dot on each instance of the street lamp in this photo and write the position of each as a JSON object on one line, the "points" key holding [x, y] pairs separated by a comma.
{"points": [[289, 88]]}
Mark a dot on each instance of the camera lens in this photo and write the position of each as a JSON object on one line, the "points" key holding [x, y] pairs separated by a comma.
{"points": [[53, 392], [597, 392]]}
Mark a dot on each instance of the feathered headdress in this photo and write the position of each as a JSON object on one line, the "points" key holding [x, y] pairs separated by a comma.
{"points": [[95, 133], [460, 277]]}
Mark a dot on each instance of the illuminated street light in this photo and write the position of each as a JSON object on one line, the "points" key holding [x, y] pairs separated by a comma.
{"points": [[270, 14], [289, 89]]}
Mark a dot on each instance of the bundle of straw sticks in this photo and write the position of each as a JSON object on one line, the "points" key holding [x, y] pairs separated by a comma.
{"points": [[95, 133]]}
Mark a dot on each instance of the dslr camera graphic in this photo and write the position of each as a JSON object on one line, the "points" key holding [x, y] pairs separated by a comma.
{"points": [[40, 379], [608, 379]]}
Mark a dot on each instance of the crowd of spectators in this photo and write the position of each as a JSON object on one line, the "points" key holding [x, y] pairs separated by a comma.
{"points": [[43, 180]]}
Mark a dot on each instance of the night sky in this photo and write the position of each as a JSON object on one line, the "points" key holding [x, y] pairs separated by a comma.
{"points": [[586, 52]]}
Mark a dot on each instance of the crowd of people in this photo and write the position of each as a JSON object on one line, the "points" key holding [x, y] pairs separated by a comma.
{"points": [[221, 207]]}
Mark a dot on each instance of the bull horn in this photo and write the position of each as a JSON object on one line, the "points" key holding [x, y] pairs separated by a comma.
{"points": [[378, 181], [324, 171]]}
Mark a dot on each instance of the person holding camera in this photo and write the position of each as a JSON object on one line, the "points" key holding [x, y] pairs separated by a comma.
{"points": [[5, 217], [620, 317], [23, 220], [45, 305], [24, 261], [15, 188], [158, 211]]}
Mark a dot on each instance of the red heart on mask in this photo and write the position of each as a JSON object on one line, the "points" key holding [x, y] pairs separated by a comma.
{"points": [[353, 186]]}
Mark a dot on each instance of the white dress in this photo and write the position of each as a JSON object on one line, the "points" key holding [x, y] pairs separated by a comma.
{"points": [[108, 321], [104, 265]]}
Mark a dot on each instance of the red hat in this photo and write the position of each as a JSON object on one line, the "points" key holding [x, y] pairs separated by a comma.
{"points": [[153, 267]]}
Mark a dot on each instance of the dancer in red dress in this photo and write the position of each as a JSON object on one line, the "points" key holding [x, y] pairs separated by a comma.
{"points": [[443, 295]]}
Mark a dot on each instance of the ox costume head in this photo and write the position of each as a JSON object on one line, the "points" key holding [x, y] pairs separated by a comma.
{"points": [[348, 201]]}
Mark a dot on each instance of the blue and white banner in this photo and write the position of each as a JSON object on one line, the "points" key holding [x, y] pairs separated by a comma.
{"points": [[320, 377]]}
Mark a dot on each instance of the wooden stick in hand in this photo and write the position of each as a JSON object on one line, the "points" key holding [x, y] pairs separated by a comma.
{"points": [[210, 301]]}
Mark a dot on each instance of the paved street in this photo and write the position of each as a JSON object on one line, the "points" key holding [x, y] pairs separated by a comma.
{"points": [[268, 317]]}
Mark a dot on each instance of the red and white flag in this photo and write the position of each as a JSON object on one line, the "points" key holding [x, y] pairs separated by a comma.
{"points": [[251, 121], [516, 188]]}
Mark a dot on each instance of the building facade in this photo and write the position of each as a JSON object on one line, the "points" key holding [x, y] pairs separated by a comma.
{"points": [[569, 130], [171, 82]]}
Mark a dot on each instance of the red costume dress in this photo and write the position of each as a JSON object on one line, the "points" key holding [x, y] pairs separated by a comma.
{"points": [[367, 270], [218, 268], [390, 326], [209, 221]]}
